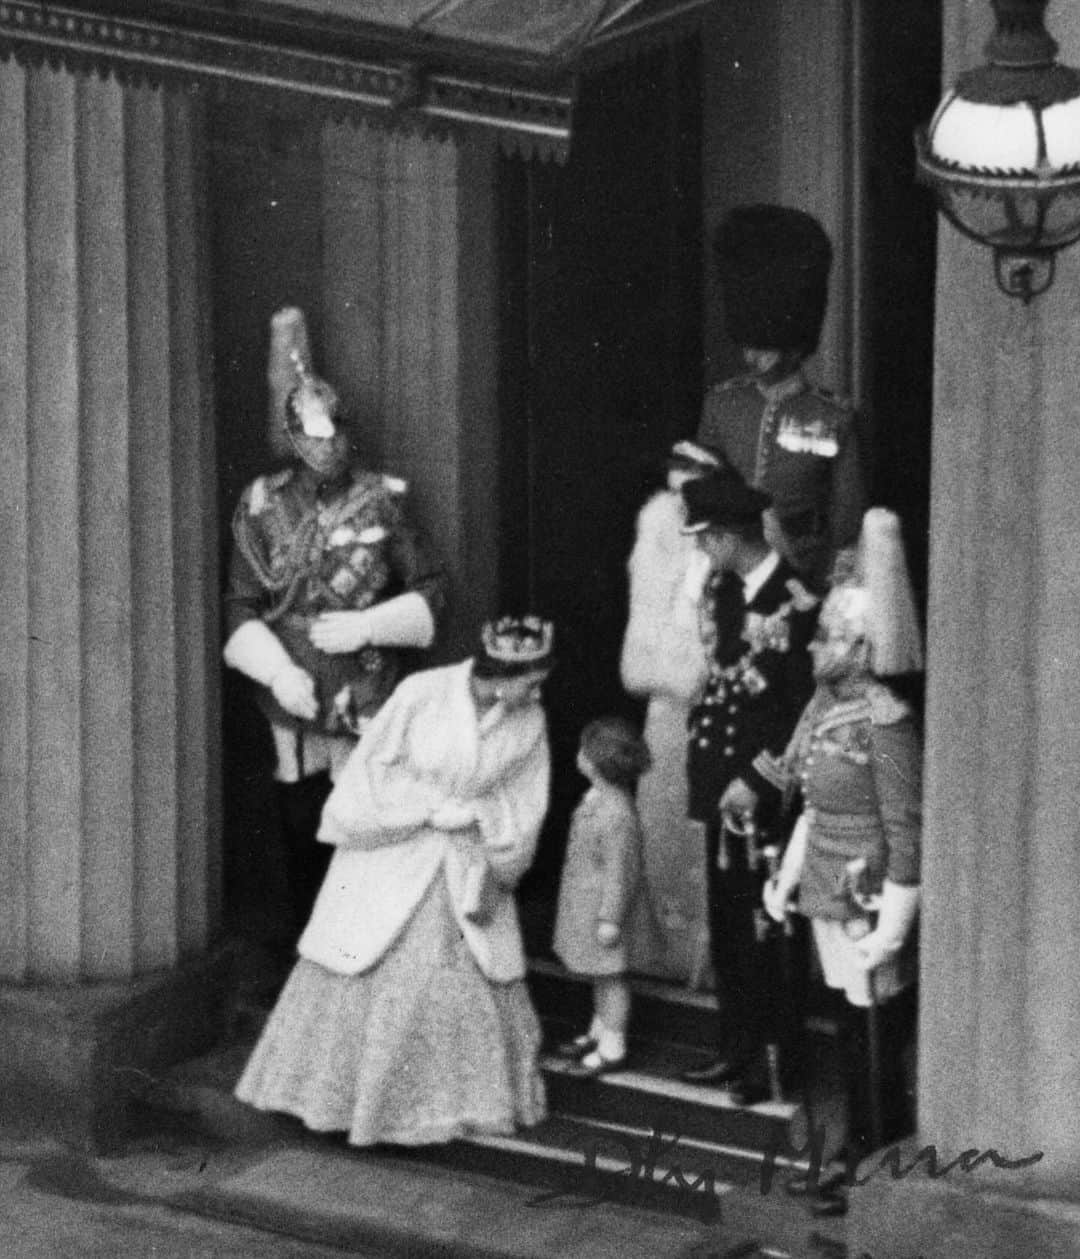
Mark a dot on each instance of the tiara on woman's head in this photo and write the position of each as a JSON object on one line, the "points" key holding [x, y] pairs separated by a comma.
{"points": [[518, 640]]}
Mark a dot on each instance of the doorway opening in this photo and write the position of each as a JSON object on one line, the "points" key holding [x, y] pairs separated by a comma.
{"points": [[600, 372]]}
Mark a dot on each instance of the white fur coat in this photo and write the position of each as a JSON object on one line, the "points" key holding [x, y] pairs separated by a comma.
{"points": [[662, 651], [663, 658], [431, 787]]}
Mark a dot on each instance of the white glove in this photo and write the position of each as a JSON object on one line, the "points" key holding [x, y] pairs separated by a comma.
{"points": [[897, 911], [777, 899], [404, 621], [778, 891], [452, 816], [294, 690], [340, 632], [255, 650]]}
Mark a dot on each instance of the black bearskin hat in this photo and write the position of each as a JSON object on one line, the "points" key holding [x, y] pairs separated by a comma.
{"points": [[773, 266]]}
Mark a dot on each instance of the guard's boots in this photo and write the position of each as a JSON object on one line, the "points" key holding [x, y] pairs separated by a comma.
{"points": [[301, 804]]}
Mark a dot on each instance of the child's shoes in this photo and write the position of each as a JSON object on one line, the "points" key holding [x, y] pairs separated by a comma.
{"points": [[577, 1048], [596, 1064]]}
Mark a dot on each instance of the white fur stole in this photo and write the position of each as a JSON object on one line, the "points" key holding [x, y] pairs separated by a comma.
{"points": [[662, 651]]}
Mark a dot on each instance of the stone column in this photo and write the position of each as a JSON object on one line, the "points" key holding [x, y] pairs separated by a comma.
{"points": [[999, 1063], [108, 589], [409, 319]]}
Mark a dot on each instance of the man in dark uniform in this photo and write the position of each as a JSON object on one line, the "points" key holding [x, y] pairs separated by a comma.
{"points": [[760, 618], [782, 434]]}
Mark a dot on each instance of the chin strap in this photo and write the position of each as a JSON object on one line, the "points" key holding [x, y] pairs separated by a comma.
{"points": [[255, 650]]}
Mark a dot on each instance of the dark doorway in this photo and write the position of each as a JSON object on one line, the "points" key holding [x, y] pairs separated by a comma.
{"points": [[902, 52], [265, 225], [601, 359]]}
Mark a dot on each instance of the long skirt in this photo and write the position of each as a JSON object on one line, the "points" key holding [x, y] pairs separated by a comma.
{"points": [[668, 934], [422, 1048]]}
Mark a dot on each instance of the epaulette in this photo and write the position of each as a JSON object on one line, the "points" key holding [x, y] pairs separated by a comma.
{"points": [[802, 599], [886, 709], [261, 488], [394, 484]]}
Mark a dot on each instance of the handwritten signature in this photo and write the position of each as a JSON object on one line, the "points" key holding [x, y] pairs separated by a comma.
{"points": [[827, 1247], [652, 1161]]}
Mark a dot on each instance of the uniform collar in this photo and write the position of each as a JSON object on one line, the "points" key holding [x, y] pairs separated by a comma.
{"points": [[315, 485], [784, 389]]}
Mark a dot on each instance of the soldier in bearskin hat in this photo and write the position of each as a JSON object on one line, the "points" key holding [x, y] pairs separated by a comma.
{"points": [[330, 589], [784, 435]]}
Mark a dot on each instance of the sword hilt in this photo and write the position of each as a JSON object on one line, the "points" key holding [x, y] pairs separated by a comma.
{"points": [[746, 830]]}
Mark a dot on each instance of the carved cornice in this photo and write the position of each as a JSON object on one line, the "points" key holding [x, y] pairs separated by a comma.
{"points": [[388, 93]]}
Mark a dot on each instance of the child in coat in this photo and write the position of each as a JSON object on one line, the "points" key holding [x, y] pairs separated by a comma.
{"points": [[599, 880]]}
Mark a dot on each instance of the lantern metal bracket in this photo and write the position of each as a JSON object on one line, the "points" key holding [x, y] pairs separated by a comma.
{"points": [[1023, 275], [1025, 208]]}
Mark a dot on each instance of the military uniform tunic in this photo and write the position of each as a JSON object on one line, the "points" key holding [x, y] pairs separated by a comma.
{"points": [[858, 765], [799, 444], [302, 549], [759, 682]]}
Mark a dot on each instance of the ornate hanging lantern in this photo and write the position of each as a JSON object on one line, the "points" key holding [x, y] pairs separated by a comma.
{"points": [[1002, 151]]}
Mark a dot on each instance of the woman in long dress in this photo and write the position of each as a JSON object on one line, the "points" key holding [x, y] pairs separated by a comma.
{"points": [[665, 660], [406, 1019]]}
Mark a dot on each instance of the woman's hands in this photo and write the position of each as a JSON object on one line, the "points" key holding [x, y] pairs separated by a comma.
{"points": [[453, 816]]}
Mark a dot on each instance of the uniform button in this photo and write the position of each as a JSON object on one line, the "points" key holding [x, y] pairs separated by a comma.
{"points": [[729, 751], [732, 708], [703, 743], [706, 721], [729, 729]]}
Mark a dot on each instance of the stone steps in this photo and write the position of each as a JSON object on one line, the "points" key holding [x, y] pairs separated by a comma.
{"points": [[571, 1158], [638, 1136]]}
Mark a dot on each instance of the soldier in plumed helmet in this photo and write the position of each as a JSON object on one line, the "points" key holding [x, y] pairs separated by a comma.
{"points": [[854, 857], [331, 590], [784, 435]]}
